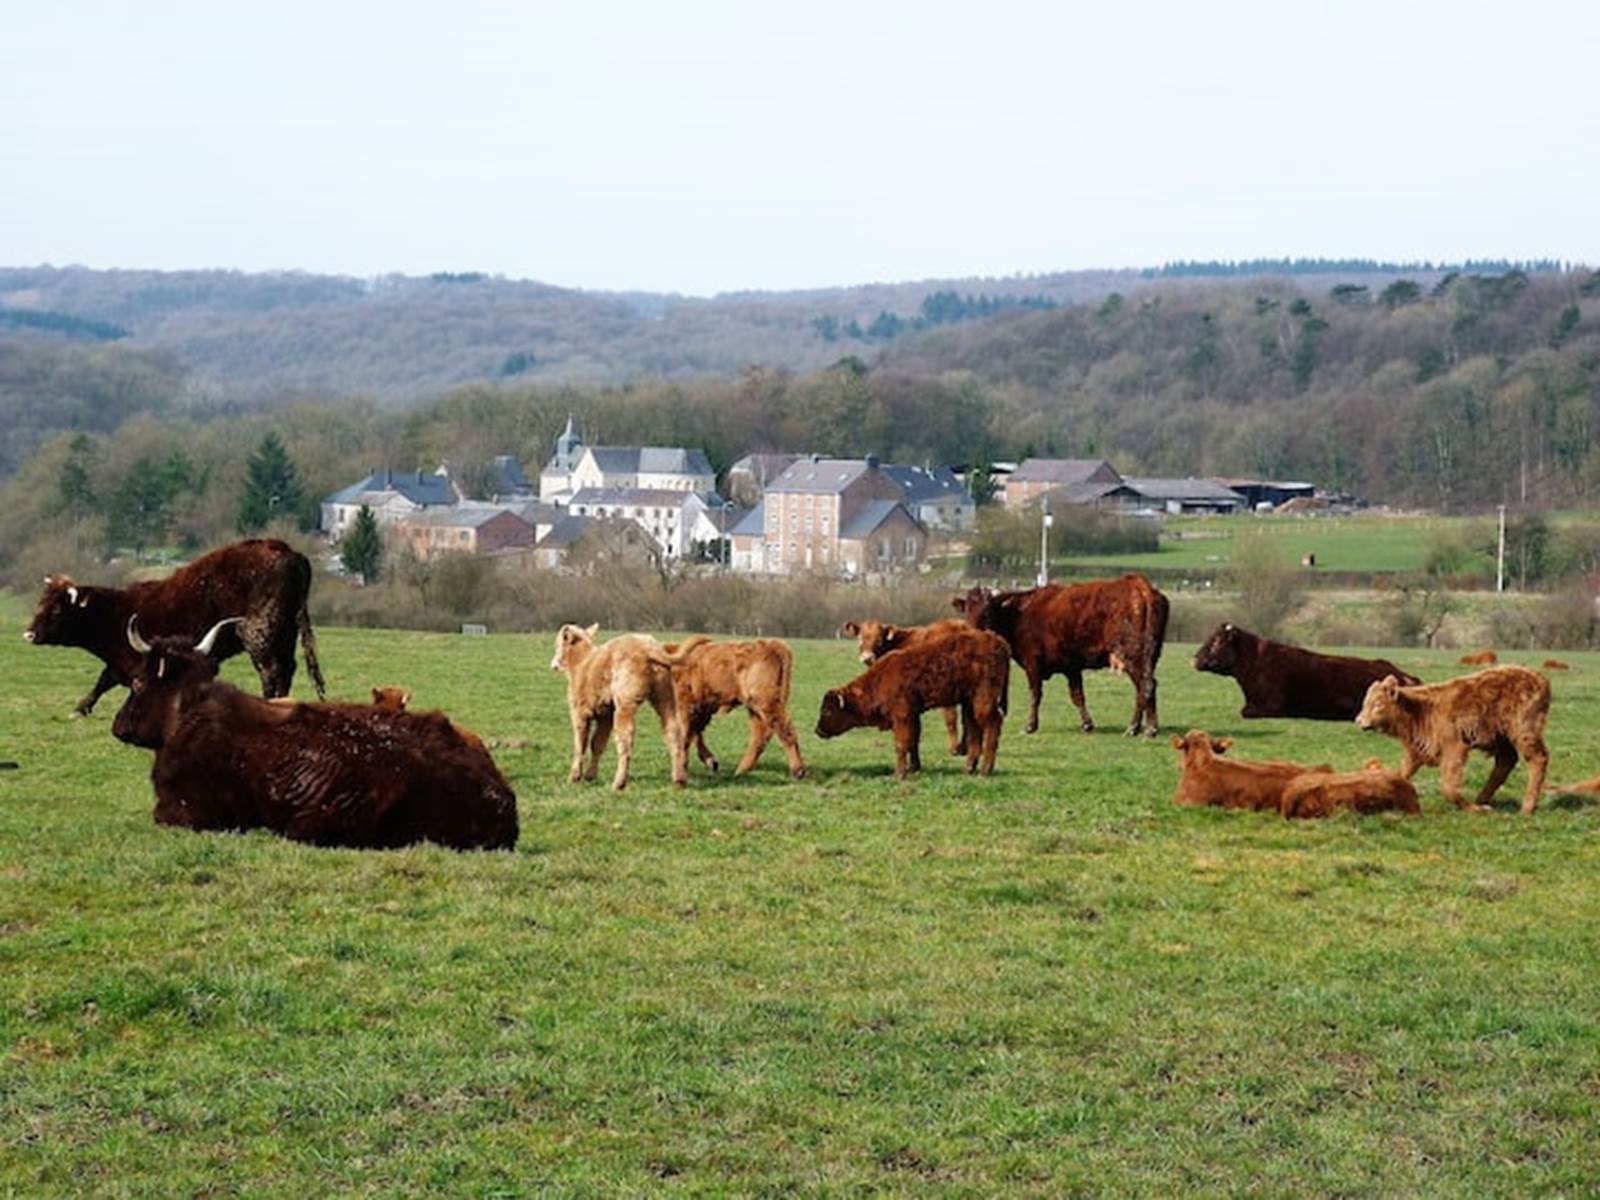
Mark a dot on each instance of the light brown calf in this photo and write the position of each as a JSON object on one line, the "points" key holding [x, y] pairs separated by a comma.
{"points": [[1205, 779], [605, 687], [1371, 789], [716, 677], [1483, 658], [1501, 711], [877, 638]]}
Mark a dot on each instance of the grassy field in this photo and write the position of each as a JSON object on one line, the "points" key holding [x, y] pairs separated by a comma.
{"points": [[1050, 982]]}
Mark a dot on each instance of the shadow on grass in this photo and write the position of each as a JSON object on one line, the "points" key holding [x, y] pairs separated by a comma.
{"points": [[1570, 801]]}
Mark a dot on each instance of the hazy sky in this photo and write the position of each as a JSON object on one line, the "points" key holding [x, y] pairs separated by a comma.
{"points": [[700, 147]]}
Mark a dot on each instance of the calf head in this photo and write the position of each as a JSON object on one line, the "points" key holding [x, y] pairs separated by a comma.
{"points": [[172, 673], [60, 619], [1381, 706], [391, 699], [874, 638], [975, 606], [1220, 654], [1199, 746], [573, 644], [839, 714]]}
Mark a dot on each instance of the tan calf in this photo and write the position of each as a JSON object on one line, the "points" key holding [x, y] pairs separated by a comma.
{"points": [[877, 638], [1501, 711], [716, 677], [1371, 789], [1206, 779], [1483, 658], [606, 684]]}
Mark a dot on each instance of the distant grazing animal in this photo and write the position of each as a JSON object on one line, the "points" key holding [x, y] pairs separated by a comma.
{"points": [[329, 774], [605, 687], [1501, 711], [261, 580], [1483, 658], [1555, 664], [715, 677], [1372, 789], [1055, 630], [967, 668], [1205, 779], [877, 638], [396, 699], [1286, 681]]}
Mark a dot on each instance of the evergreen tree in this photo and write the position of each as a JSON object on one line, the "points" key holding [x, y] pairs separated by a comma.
{"points": [[271, 487], [77, 478], [361, 552], [980, 480]]}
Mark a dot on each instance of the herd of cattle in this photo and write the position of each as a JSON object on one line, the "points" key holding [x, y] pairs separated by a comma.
{"points": [[378, 775]]}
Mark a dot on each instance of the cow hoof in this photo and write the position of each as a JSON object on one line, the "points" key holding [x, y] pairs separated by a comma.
{"points": [[1131, 731], [680, 784], [798, 773], [1088, 726], [1152, 733], [77, 715], [713, 766], [1031, 727]]}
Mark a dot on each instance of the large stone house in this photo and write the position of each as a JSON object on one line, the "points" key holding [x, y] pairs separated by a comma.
{"points": [[836, 515], [934, 496], [391, 495], [675, 520], [464, 529]]}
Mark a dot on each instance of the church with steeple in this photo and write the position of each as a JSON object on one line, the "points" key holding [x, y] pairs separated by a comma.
{"points": [[555, 481], [575, 467]]}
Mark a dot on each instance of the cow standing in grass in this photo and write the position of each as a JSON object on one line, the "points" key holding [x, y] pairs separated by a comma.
{"points": [[877, 638], [716, 677], [262, 581]]}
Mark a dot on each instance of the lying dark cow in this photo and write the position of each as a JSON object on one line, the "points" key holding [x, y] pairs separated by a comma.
{"points": [[1286, 681], [1055, 630], [329, 774], [261, 580]]}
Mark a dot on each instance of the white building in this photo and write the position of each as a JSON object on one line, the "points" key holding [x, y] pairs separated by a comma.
{"points": [[676, 520], [574, 467]]}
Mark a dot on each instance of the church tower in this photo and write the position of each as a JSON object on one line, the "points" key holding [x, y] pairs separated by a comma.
{"points": [[556, 478]]}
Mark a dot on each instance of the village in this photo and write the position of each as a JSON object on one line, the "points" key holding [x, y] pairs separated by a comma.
{"points": [[774, 514]]}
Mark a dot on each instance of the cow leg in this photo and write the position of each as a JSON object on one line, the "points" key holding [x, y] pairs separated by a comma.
{"points": [[1537, 757], [991, 738], [1452, 767], [104, 684], [915, 726], [1147, 690], [597, 744], [781, 725], [760, 734], [708, 760], [1035, 693], [623, 723], [973, 744], [1505, 760], [580, 743], [953, 733], [1410, 764], [1075, 686]]}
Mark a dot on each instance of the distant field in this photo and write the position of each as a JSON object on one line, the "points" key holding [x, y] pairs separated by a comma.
{"points": [[1050, 982]]}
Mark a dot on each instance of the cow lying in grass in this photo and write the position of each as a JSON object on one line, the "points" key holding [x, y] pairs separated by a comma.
{"points": [[606, 684], [968, 669], [329, 774], [1207, 779], [1285, 681], [877, 638], [1372, 789], [716, 677], [1501, 711]]}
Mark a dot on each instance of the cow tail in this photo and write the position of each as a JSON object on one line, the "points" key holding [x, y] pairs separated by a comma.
{"points": [[1160, 609], [308, 639], [785, 670], [675, 658]]}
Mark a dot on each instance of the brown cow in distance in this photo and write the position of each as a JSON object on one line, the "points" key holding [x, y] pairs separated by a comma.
{"points": [[1286, 681], [716, 677], [1371, 789], [1206, 779], [328, 774], [877, 638], [1483, 658], [1055, 630], [262, 580], [967, 668], [1501, 711], [1555, 664]]}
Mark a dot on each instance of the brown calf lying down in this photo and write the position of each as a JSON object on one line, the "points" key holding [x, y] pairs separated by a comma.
{"points": [[1501, 711], [1371, 789], [605, 687], [877, 638], [1206, 779], [716, 677], [1555, 664], [1483, 658], [968, 668]]}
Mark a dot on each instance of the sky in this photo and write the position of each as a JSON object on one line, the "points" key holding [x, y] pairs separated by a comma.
{"points": [[700, 147]]}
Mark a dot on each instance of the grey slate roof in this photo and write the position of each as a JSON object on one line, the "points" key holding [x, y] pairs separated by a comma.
{"points": [[869, 516], [1184, 489], [821, 476], [509, 477], [413, 485], [651, 460], [926, 485], [1063, 470], [752, 523], [763, 466], [566, 532], [645, 497], [464, 516], [1088, 493]]}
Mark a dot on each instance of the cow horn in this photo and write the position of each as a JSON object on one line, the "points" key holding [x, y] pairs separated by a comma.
{"points": [[205, 644], [134, 640]]}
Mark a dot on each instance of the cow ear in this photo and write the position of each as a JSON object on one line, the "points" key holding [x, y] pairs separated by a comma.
{"points": [[1221, 745], [850, 629], [594, 630], [1177, 742]]}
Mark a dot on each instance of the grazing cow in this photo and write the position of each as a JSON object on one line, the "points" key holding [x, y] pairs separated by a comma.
{"points": [[605, 687], [1206, 779], [967, 668], [329, 774], [396, 699], [1286, 681], [1483, 658], [1501, 711], [1555, 664], [1053, 630], [716, 677], [877, 638], [261, 580], [1369, 790]]}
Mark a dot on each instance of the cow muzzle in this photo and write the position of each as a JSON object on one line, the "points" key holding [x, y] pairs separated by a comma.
{"points": [[27, 635]]}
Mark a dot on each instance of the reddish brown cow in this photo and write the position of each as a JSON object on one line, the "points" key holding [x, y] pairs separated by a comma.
{"points": [[1286, 681], [261, 580], [716, 677], [1055, 630], [1207, 779], [1555, 664], [877, 638], [1372, 789], [1501, 711], [1483, 658], [329, 774], [967, 668]]}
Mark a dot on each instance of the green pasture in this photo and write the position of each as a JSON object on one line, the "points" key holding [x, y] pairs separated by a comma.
{"points": [[1051, 982]]}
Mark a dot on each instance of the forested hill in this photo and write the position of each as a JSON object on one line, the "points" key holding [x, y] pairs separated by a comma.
{"points": [[399, 338]]}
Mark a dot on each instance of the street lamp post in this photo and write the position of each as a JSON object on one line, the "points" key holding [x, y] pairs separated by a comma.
{"points": [[1045, 521], [727, 535]]}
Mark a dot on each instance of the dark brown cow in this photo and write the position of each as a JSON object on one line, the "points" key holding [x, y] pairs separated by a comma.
{"points": [[877, 638], [967, 668], [329, 774], [1055, 630], [262, 580], [1286, 681]]}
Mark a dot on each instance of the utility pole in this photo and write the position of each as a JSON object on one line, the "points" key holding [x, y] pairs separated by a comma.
{"points": [[1500, 557], [1045, 521]]}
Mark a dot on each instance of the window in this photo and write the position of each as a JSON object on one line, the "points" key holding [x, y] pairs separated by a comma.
{"points": [[911, 548]]}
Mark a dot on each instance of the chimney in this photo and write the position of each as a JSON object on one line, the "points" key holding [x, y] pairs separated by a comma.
{"points": [[872, 462], [816, 458]]}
